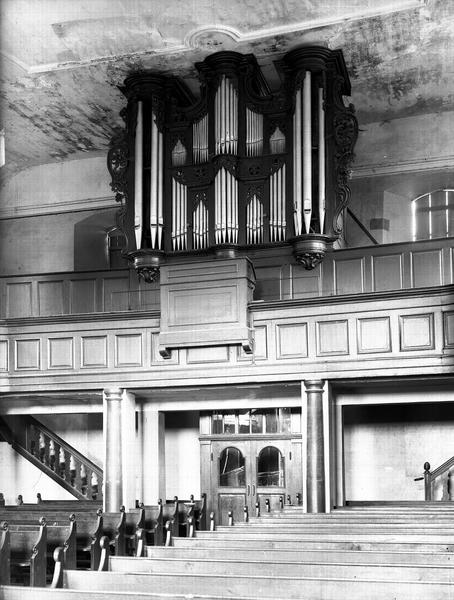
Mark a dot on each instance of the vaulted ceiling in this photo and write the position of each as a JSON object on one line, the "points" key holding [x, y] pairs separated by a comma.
{"points": [[62, 60]]}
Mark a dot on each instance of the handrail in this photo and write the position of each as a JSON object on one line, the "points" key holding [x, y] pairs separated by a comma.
{"points": [[38, 425], [430, 477], [54, 456], [442, 468]]}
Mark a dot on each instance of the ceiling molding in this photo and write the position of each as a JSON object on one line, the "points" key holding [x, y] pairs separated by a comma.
{"points": [[205, 37]]}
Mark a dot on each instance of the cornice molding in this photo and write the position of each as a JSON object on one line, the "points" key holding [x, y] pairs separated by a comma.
{"points": [[260, 306], [201, 36], [34, 210], [408, 166]]}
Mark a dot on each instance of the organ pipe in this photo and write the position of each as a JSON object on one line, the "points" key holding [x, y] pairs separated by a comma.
{"points": [[307, 151], [321, 160], [138, 174], [293, 146], [154, 182], [226, 208], [277, 205], [226, 117], [297, 187], [200, 140]]}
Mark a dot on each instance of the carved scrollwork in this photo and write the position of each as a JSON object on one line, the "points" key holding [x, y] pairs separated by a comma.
{"points": [[345, 128], [309, 260], [148, 274], [117, 163]]}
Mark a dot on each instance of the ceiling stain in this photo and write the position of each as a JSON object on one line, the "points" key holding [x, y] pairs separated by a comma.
{"points": [[400, 63]]}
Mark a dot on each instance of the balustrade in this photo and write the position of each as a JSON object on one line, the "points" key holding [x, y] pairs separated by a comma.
{"points": [[438, 484], [67, 464]]}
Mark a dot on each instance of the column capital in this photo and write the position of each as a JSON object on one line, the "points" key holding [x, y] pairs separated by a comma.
{"points": [[314, 385], [114, 393]]}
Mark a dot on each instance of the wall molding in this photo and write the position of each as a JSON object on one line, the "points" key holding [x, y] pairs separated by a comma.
{"points": [[33, 210], [406, 166]]}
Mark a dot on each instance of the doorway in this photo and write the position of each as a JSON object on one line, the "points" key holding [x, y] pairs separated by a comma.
{"points": [[247, 467]]}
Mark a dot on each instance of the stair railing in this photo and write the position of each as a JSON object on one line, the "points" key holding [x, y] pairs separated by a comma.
{"points": [[83, 478], [431, 477]]}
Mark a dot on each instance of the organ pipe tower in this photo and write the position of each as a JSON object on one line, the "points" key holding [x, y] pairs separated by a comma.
{"points": [[240, 166]]}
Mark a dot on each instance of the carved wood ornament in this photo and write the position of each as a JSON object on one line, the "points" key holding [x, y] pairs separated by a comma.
{"points": [[271, 167]]}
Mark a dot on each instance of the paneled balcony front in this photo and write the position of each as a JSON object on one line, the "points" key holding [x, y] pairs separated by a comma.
{"points": [[364, 312]]}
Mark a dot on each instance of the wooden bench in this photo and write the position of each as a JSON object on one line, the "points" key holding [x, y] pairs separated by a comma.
{"points": [[23, 554], [91, 526]]}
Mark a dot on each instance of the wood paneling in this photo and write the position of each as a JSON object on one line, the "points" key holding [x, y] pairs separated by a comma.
{"points": [[374, 335], [291, 340], [206, 303], [198, 306], [83, 296], [128, 350], [61, 353], [28, 354], [426, 268], [50, 298], [305, 284], [416, 332], [19, 300], [3, 355], [387, 272], [115, 294], [448, 327], [349, 276], [208, 354], [260, 343], [156, 357], [94, 351], [332, 338]]}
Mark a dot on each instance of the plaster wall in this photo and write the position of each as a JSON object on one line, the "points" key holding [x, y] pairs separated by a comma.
{"points": [[56, 187], [55, 243], [82, 431], [385, 448], [182, 455], [21, 477], [409, 141]]}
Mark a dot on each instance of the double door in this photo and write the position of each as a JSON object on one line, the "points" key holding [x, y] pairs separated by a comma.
{"points": [[244, 472]]}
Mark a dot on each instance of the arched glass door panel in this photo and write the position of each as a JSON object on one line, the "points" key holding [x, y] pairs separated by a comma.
{"points": [[232, 469], [270, 468]]}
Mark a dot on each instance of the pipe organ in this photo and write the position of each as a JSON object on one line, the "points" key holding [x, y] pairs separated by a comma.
{"points": [[240, 166]]}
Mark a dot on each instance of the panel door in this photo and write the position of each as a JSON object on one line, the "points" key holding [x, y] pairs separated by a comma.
{"points": [[247, 471], [230, 479]]}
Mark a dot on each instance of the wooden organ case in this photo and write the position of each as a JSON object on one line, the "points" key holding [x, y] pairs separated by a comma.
{"points": [[241, 166]]}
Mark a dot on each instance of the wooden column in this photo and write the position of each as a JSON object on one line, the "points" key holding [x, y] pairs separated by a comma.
{"points": [[315, 455], [113, 484], [152, 442], [129, 461]]}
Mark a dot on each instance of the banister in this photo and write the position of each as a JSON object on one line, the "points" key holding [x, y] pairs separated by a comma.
{"points": [[430, 477], [62, 443]]}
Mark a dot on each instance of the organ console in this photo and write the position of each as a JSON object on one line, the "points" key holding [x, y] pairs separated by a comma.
{"points": [[241, 165]]}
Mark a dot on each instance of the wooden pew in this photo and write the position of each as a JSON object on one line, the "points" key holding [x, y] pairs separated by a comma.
{"points": [[20, 535], [195, 509], [89, 530], [263, 586], [171, 514], [27, 551]]}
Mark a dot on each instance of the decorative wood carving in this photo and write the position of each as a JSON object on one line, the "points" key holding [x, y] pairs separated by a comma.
{"points": [[295, 145]]}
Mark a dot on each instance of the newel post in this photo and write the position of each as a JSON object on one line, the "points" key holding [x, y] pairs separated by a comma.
{"points": [[427, 482]]}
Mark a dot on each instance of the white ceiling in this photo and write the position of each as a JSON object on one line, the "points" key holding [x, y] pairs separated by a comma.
{"points": [[62, 60]]}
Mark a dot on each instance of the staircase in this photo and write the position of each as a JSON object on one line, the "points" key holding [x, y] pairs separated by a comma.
{"points": [[53, 456]]}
